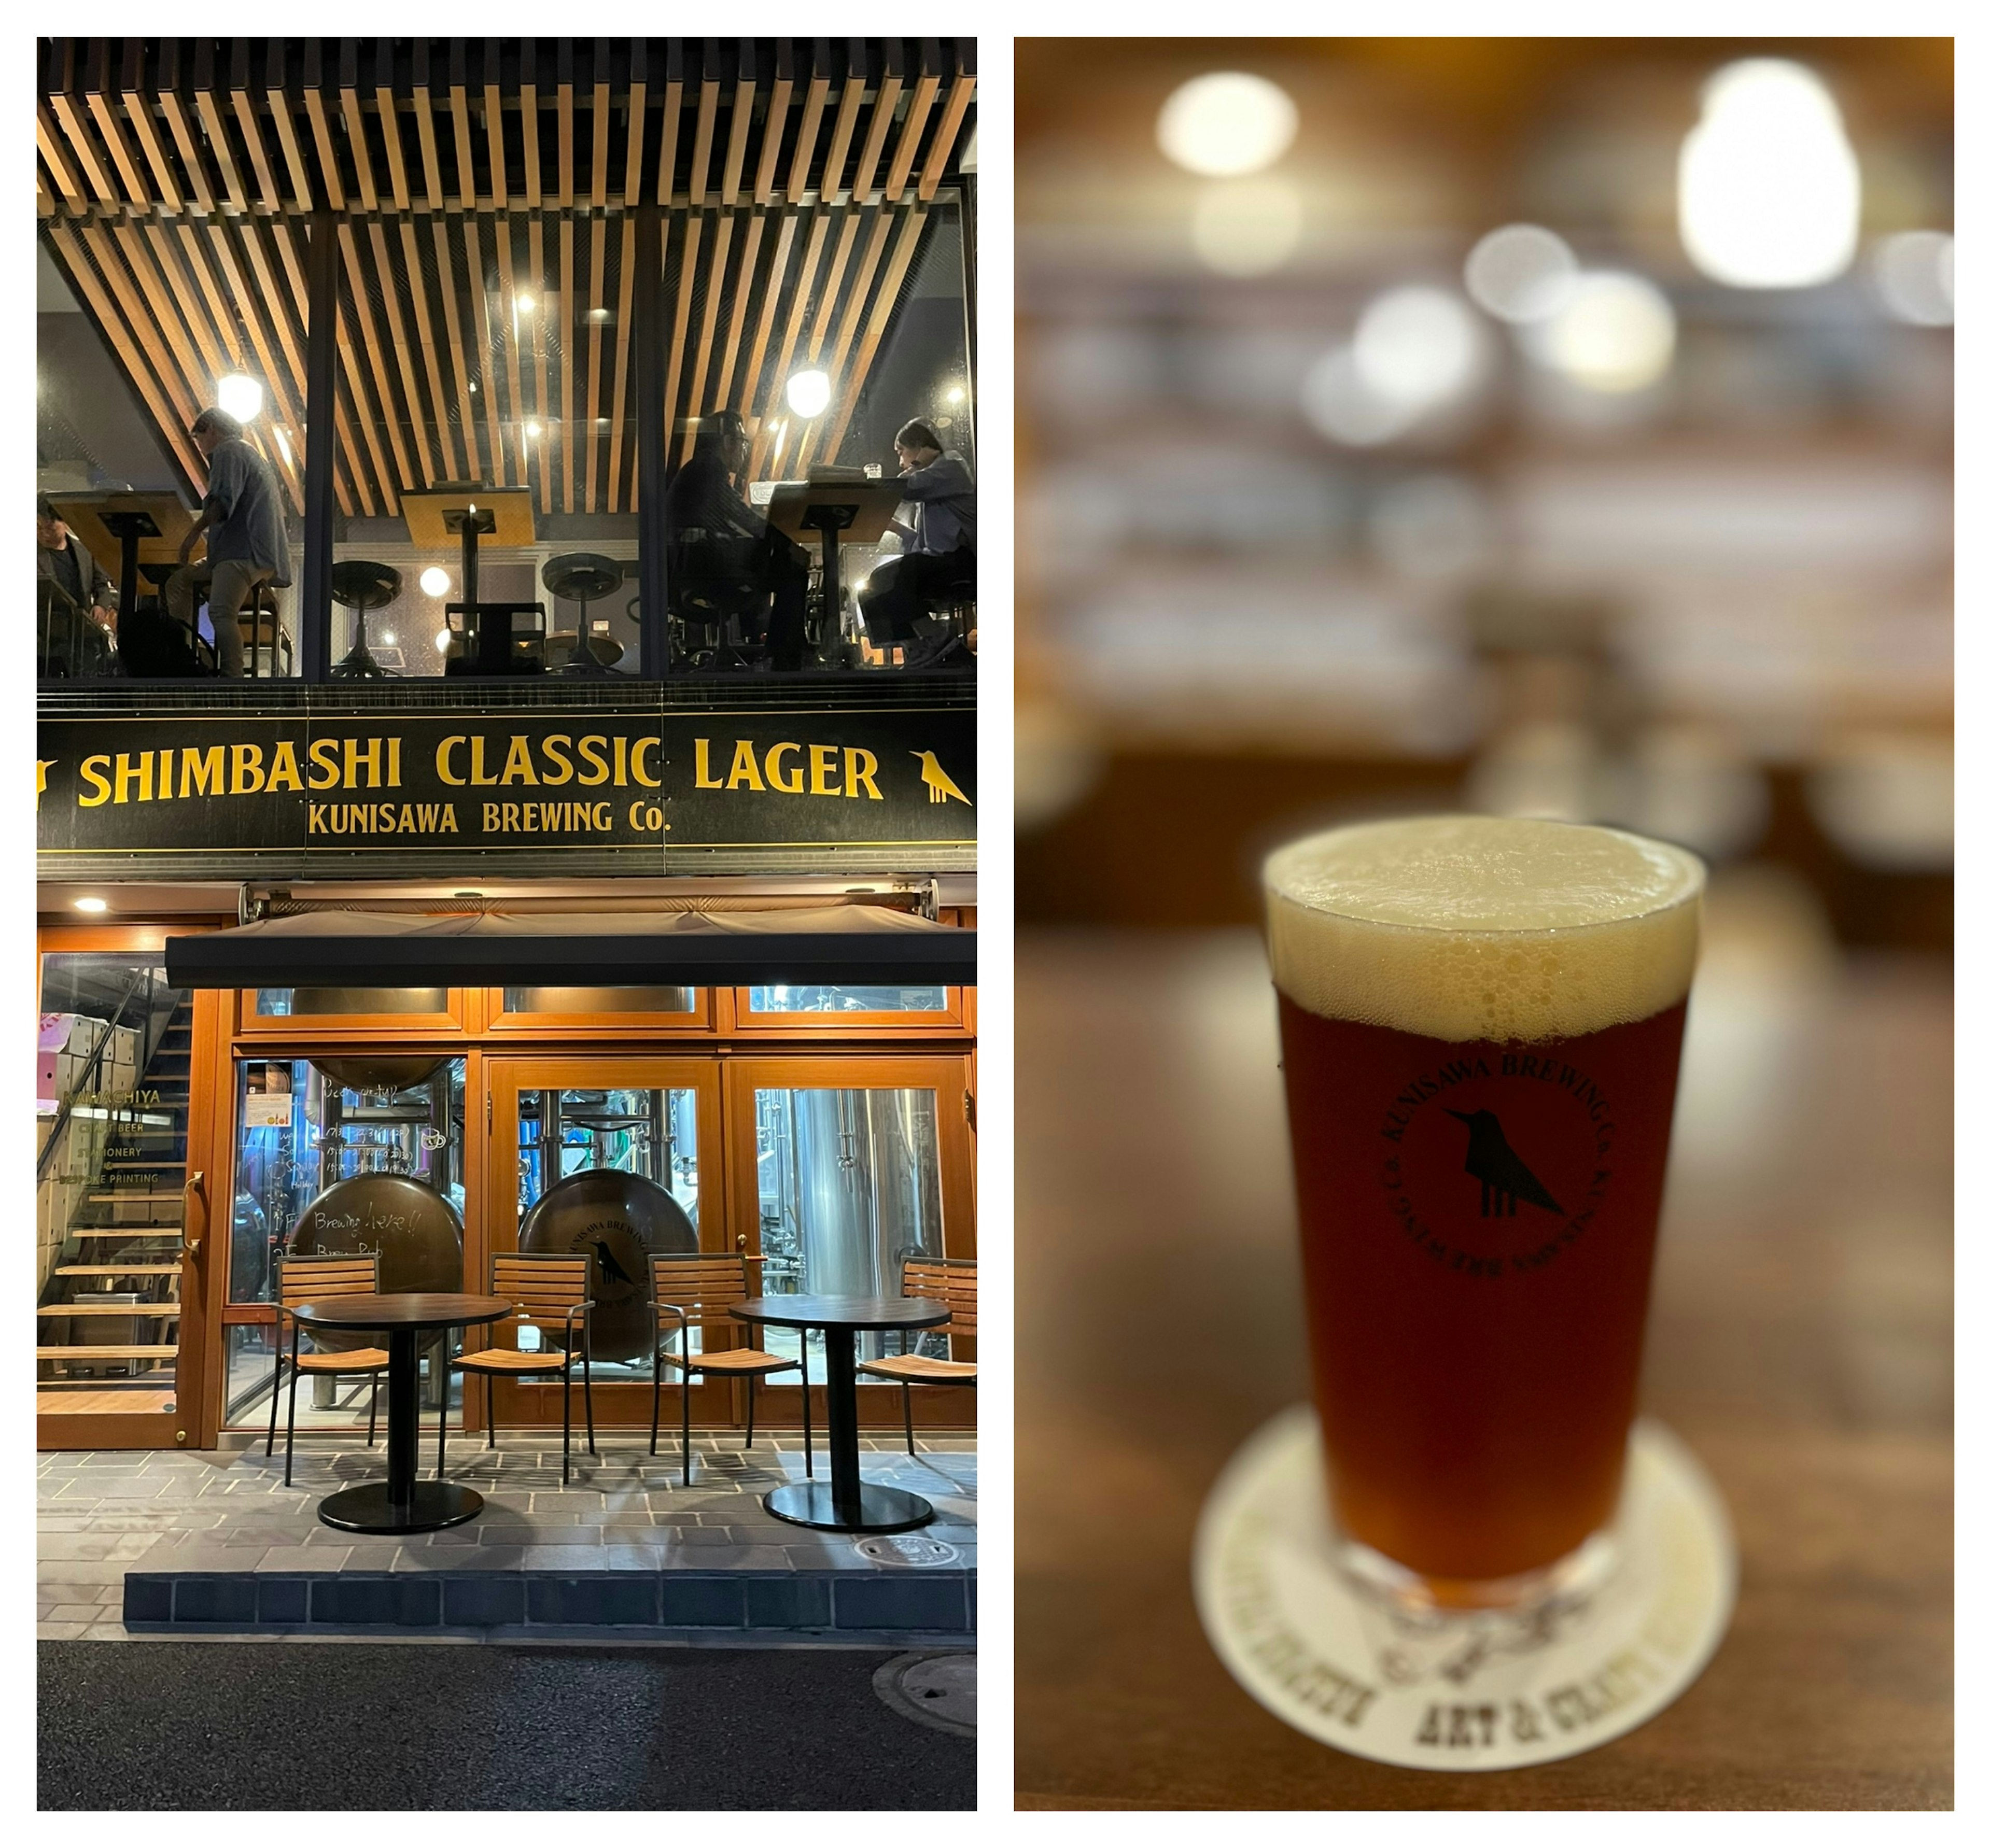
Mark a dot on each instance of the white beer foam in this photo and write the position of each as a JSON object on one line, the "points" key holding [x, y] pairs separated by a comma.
{"points": [[1474, 927]]}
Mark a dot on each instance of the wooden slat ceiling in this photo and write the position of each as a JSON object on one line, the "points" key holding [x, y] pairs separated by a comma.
{"points": [[486, 242]]}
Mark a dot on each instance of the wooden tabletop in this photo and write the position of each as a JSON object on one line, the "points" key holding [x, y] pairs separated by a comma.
{"points": [[1799, 1342], [404, 1308], [844, 1312]]}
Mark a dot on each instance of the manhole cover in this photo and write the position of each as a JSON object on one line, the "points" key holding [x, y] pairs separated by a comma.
{"points": [[936, 1690], [907, 1549]]}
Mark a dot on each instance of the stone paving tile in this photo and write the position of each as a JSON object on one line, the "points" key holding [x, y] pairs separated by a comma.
{"points": [[624, 1510], [94, 1546], [60, 1633]]}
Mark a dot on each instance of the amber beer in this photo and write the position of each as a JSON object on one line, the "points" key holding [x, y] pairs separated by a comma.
{"points": [[1481, 1021]]}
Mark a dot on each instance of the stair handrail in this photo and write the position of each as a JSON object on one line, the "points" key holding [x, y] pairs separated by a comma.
{"points": [[91, 1067]]}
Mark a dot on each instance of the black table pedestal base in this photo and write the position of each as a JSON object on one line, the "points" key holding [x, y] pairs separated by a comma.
{"points": [[370, 1508], [880, 1509]]}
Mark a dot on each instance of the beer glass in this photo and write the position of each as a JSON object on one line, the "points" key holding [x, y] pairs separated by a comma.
{"points": [[1481, 1021]]}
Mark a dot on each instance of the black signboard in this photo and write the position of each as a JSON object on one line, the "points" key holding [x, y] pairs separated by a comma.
{"points": [[297, 781]]}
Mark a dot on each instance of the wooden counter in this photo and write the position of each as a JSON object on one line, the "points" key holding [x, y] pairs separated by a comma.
{"points": [[1800, 1342]]}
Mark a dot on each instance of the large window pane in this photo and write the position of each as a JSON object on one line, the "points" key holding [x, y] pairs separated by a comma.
{"points": [[526, 391], [849, 1187], [629, 1160], [111, 1089], [801, 998], [304, 1126]]}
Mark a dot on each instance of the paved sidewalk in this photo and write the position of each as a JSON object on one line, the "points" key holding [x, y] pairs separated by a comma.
{"points": [[104, 1514]]}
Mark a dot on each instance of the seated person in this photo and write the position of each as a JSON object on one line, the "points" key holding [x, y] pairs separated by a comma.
{"points": [[64, 559], [715, 535], [939, 550], [242, 517]]}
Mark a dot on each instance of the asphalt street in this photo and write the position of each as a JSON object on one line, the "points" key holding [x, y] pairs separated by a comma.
{"points": [[349, 1725]]}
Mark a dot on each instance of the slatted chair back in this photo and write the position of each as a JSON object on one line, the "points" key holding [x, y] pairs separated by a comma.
{"points": [[541, 1287], [705, 1286], [316, 1279], [947, 1280]]}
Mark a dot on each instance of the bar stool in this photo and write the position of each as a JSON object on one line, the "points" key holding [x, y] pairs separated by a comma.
{"points": [[263, 630], [581, 577], [362, 585]]}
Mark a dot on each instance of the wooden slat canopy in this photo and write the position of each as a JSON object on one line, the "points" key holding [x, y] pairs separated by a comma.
{"points": [[486, 191]]}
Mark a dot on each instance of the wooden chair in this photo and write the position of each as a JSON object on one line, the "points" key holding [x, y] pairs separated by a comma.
{"points": [[698, 1291], [549, 1289], [948, 1280], [318, 1279]]}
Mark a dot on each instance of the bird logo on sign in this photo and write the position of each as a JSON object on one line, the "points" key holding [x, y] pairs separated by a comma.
{"points": [[1502, 1176], [940, 786]]}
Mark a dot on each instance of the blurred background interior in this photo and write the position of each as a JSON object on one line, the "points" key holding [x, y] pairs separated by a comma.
{"points": [[1547, 427]]}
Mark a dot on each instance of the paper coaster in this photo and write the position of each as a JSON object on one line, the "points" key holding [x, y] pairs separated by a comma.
{"points": [[1481, 1691]]}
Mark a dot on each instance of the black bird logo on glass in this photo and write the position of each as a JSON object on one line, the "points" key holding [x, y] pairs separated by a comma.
{"points": [[1502, 1176], [610, 1268]]}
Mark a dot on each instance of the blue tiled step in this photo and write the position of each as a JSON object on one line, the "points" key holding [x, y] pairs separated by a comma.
{"points": [[930, 1600]]}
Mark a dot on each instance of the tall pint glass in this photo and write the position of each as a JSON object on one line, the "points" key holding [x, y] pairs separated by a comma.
{"points": [[1481, 1021]]}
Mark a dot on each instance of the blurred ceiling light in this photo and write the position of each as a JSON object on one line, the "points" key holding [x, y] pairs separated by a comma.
{"points": [[1614, 335], [526, 304], [1227, 123], [808, 394], [1520, 272], [1246, 227], [1916, 273], [1420, 347], [435, 581], [956, 394], [532, 429], [1769, 185], [93, 904], [1339, 402], [442, 641], [241, 396]]}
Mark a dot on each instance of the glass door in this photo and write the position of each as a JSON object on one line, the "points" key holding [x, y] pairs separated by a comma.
{"points": [[617, 1158], [843, 1167], [122, 1206]]}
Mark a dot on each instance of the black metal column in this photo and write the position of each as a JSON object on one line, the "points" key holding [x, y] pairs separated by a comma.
{"points": [[321, 384], [649, 337]]}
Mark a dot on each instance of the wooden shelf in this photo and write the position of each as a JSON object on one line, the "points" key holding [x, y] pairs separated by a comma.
{"points": [[111, 1268], [125, 1232]]}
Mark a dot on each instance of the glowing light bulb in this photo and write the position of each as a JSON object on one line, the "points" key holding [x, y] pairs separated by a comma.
{"points": [[93, 904], [1227, 123], [808, 393], [1520, 272], [532, 430], [526, 304], [442, 641], [1915, 271], [435, 581], [1769, 185], [241, 396], [1420, 348], [1615, 334]]}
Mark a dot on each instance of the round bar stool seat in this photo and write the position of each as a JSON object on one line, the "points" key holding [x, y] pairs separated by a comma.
{"points": [[362, 585], [581, 577]]}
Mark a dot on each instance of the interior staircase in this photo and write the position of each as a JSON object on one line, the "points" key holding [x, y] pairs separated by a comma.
{"points": [[108, 1322]]}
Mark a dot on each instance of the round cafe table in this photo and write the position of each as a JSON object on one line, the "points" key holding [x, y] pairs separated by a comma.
{"points": [[401, 1505], [847, 1503]]}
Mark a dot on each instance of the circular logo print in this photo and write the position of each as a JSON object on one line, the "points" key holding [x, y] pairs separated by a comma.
{"points": [[1497, 1162]]}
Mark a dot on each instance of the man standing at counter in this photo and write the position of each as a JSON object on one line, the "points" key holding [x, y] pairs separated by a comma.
{"points": [[242, 517]]}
